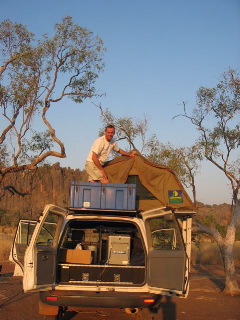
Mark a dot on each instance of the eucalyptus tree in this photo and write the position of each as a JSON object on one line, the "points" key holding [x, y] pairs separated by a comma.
{"points": [[36, 75], [216, 118], [134, 131]]}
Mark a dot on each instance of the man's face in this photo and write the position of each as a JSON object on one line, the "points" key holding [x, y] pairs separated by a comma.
{"points": [[109, 133]]}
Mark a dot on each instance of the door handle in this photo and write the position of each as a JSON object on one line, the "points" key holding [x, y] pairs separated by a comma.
{"points": [[44, 258]]}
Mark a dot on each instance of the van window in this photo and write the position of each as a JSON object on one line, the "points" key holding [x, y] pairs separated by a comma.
{"points": [[25, 232], [165, 234], [47, 232]]}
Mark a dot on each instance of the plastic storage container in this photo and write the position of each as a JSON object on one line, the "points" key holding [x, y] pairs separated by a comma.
{"points": [[108, 196]]}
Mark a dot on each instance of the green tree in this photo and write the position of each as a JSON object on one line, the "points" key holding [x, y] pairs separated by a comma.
{"points": [[34, 76], [216, 118], [132, 130]]}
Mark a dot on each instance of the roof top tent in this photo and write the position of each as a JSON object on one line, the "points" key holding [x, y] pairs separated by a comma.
{"points": [[156, 185]]}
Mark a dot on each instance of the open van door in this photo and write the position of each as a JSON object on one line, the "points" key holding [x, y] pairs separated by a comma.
{"points": [[21, 241], [41, 254], [167, 259]]}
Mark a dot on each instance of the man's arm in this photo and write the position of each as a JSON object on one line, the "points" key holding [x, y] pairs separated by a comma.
{"points": [[131, 154], [98, 164]]}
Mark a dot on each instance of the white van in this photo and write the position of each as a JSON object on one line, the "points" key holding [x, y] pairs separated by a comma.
{"points": [[104, 258]]}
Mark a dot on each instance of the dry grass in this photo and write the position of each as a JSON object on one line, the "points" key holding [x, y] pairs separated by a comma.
{"points": [[209, 253], [206, 253]]}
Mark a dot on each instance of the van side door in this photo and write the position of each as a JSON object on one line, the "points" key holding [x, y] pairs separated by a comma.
{"points": [[41, 254], [21, 241]]}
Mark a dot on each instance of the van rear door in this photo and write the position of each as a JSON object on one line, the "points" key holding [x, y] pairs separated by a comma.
{"points": [[167, 257], [41, 255]]}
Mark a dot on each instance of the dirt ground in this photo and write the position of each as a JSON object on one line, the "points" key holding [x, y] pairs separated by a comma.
{"points": [[205, 300]]}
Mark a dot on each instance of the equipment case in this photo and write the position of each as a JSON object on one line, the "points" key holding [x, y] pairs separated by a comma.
{"points": [[119, 249], [108, 196]]}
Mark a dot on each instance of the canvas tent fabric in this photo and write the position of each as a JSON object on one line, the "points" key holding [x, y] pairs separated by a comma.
{"points": [[160, 181]]}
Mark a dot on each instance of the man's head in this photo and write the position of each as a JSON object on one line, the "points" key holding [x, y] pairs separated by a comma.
{"points": [[109, 132]]}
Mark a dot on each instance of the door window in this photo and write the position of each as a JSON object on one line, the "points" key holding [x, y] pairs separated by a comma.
{"points": [[47, 232], [25, 232], [165, 234]]}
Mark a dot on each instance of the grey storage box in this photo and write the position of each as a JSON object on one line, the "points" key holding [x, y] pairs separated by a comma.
{"points": [[119, 250], [108, 196], [86, 195]]}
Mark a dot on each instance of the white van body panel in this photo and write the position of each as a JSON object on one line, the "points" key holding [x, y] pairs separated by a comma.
{"points": [[41, 255]]}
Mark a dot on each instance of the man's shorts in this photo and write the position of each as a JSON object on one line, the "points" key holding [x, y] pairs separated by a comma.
{"points": [[93, 172]]}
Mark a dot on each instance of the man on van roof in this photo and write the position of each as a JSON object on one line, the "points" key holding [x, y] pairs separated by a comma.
{"points": [[99, 153]]}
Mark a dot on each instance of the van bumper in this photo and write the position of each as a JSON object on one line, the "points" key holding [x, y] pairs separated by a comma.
{"points": [[67, 298]]}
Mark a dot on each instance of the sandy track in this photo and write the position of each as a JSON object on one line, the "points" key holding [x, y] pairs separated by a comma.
{"points": [[205, 300]]}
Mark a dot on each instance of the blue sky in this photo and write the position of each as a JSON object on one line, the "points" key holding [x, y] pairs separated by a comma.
{"points": [[158, 54]]}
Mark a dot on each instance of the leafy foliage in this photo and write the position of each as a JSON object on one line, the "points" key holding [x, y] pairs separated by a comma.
{"points": [[132, 130], [211, 221], [216, 117], [34, 75]]}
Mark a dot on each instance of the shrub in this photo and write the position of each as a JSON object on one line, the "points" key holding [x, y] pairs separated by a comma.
{"points": [[6, 220], [15, 218], [9, 220], [5, 249], [2, 212]]}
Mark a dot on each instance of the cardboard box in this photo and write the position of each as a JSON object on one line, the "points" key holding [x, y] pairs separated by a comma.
{"points": [[75, 256]]}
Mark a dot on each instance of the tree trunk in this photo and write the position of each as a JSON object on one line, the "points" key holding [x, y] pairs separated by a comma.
{"points": [[231, 282], [226, 249]]}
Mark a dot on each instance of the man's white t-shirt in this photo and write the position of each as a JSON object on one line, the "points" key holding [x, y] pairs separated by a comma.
{"points": [[102, 148]]}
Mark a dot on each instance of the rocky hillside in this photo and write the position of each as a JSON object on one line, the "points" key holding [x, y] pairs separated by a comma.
{"points": [[52, 184], [49, 184]]}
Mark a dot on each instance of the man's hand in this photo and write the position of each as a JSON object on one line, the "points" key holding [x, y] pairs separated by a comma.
{"points": [[132, 154], [104, 177]]}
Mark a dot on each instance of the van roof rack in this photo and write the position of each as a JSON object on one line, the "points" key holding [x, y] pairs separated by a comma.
{"points": [[104, 211]]}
